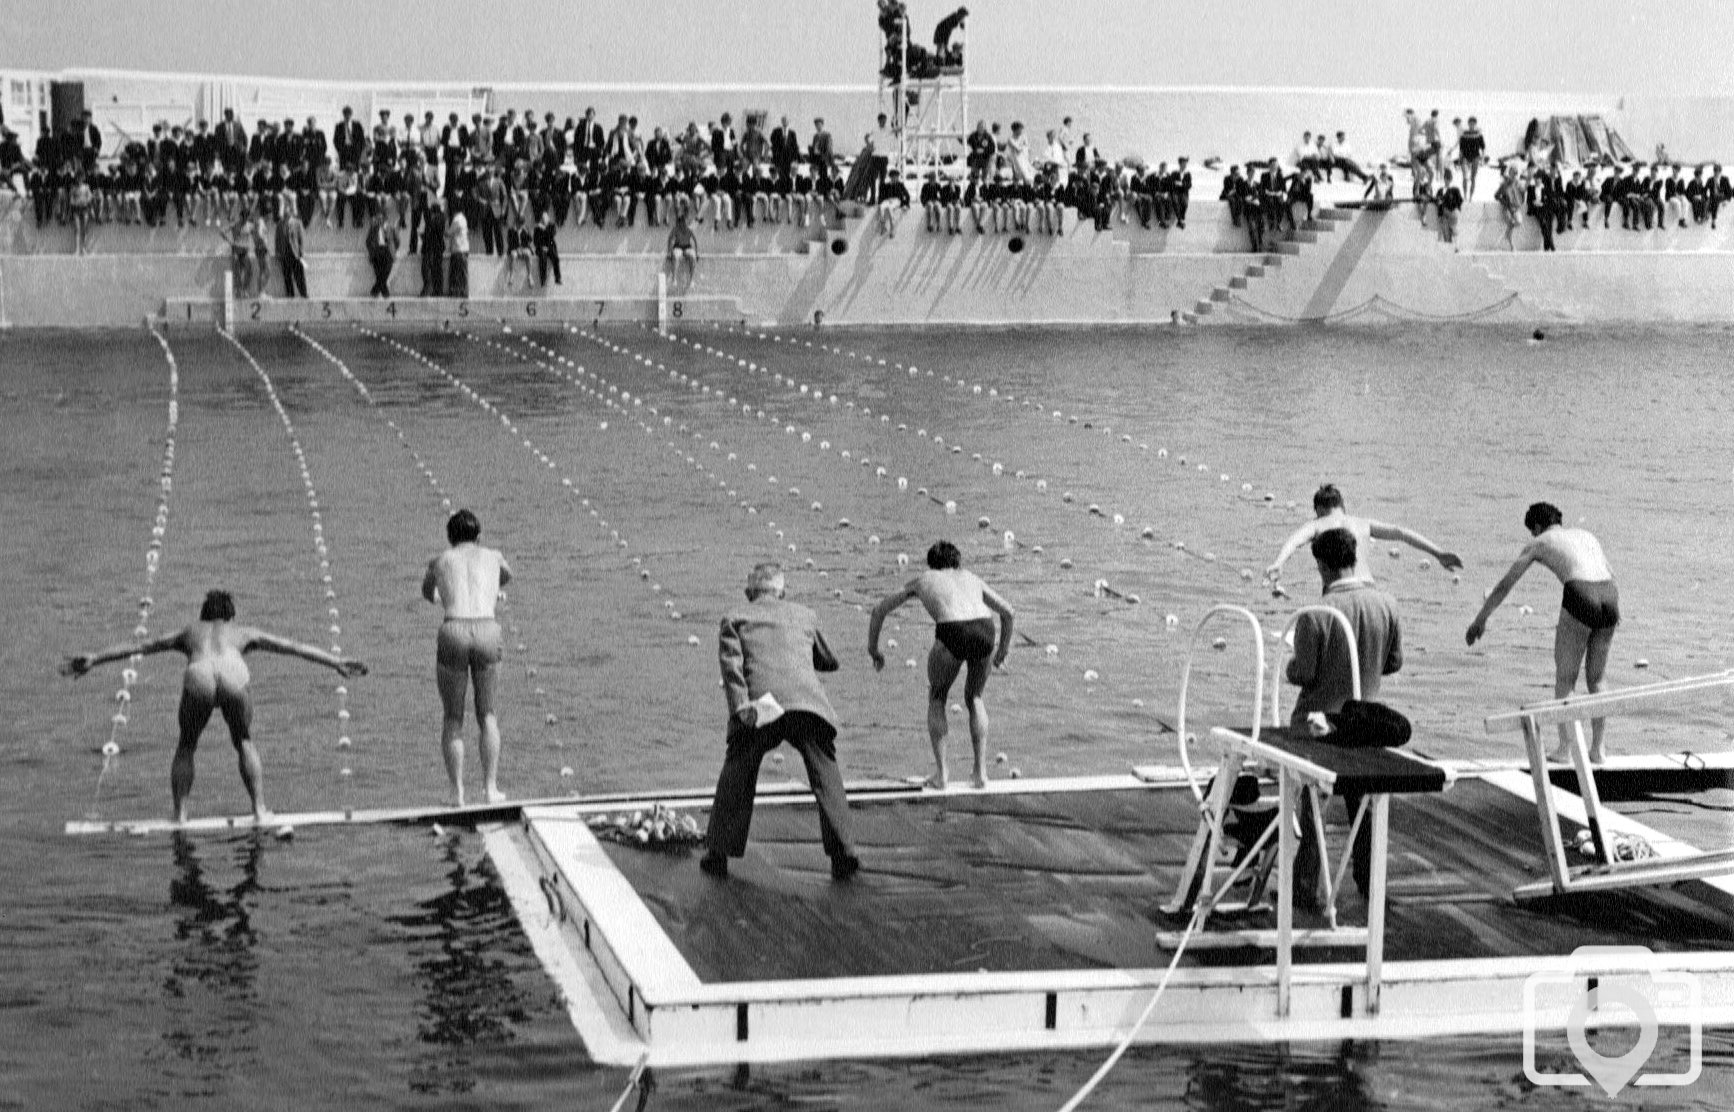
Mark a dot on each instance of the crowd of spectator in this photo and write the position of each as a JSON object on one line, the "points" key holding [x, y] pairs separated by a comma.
{"points": [[503, 175], [514, 181]]}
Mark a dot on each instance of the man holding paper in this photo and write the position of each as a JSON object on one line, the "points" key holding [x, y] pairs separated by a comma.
{"points": [[771, 652]]}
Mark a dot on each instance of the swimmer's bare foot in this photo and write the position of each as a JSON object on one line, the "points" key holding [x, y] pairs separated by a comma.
{"points": [[495, 795], [936, 782], [978, 778], [262, 816], [456, 799], [1598, 756]]}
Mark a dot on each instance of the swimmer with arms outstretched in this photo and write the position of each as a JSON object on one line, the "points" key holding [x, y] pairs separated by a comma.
{"points": [[1328, 506], [962, 606], [216, 679], [1587, 615], [466, 579]]}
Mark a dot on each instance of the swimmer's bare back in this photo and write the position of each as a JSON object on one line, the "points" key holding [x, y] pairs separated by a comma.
{"points": [[219, 643], [466, 579], [951, 594], [1571, 554]]}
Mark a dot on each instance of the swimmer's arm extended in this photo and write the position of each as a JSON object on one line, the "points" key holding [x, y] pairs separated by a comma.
{"points": [[1295, 539], [885, 606], [1384, 531], [78, 665], [1003, 608], [271, 643], [1497, 595]]}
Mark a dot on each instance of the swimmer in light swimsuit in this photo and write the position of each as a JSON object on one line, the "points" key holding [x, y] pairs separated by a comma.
{"points": [[1588, 612], [962, 606], [466, 579], [215, 680]]}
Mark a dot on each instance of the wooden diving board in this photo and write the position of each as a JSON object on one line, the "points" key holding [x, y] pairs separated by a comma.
{"points": [[1608, 873]]}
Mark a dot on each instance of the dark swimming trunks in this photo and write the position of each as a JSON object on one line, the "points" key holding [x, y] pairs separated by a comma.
{"points": [[1595, 604], [967, 641]]}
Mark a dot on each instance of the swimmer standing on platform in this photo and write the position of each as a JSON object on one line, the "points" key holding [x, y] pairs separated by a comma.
{"points": [[466, 579], [1587, 615], [216, 679], [962, 606]]}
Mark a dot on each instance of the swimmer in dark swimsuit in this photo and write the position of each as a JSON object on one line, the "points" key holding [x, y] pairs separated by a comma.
{"points": [[215, 680], [1588, 614], [962, 607]]}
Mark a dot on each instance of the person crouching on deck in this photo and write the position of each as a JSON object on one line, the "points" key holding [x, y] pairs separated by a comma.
{"points": [[771, 653]]}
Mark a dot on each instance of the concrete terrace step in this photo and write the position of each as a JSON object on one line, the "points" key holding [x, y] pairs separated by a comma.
{"points": [[1288, 247], [1238, 282], [1221, 293], [1334, 215]]}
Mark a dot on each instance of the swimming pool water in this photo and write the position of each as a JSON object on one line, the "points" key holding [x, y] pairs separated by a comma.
{"points": [[382, 967]]}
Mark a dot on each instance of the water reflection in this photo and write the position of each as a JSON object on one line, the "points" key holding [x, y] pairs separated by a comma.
{"points": [[1325, 1078], [462, 944], [212, 985]]}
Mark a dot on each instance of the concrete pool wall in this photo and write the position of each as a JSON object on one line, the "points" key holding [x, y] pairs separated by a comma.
{"points": [[1349, 265]]}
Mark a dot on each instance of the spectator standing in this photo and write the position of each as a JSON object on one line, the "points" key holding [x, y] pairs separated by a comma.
{"points": [[1471, 152], [382, 243], [433, 248], [547, 247], [458, 252], [291, 251]]}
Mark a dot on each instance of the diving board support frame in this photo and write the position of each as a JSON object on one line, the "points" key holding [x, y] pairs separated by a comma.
{"points": [[1608, 874]]}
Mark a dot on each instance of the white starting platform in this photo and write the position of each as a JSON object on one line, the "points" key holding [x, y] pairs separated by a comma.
{"points": [[448, 312], [1028, 917]]}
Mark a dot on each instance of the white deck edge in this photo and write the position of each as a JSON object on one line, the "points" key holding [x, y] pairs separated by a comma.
{"points": [[607, 1036], [679, 1021]]}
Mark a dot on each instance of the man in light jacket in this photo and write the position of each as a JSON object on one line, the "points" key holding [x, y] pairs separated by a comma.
{"points": [[771, 653]]}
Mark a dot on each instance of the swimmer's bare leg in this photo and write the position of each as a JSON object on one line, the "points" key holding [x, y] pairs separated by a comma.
{"points": [[1571, 640], [974, 685], [485, 676], [195, 712], [453, 685], [942, 669], [238, 713], [1595, 664]]}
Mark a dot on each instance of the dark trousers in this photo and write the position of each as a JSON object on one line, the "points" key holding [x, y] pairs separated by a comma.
{"points": [[546, 261], [1545, 219], [433, 272], [294, 276], [1307, 859], [493, 233], [381, 261], [458, 282], [1255, 227], [814, 739], [1180, 202]]}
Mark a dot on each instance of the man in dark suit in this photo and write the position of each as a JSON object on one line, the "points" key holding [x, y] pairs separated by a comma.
{"points": [[382, 242], [771, 652], [785, 148], [349, 141]]}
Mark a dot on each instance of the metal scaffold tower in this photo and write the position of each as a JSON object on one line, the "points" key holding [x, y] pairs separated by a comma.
{"points": [[924, 92]]}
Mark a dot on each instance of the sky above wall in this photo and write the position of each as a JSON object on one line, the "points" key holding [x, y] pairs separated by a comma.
{"points": [[1677, 47]]}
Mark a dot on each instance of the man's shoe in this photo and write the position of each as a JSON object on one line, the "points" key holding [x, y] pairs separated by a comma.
{"points": [[714, 864], [842, 868]]}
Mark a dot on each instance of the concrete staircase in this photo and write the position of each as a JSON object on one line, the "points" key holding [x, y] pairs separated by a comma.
{"points": [[1324, 223]]}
